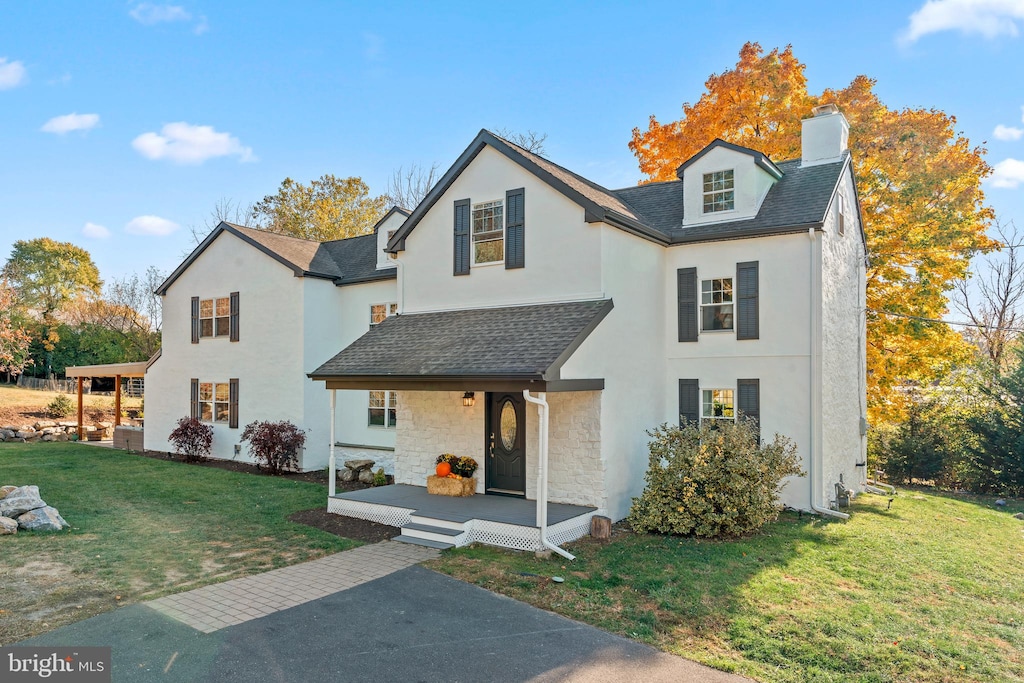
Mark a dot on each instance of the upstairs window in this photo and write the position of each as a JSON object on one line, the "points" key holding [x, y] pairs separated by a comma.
{"points": [[719, 192], [379, 312], [215, 317], [716, 304], [717, 404], [488, 230]]}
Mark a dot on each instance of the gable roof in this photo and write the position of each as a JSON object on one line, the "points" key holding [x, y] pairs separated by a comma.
{"points": [[391, 212], [514, 343], [760, 159], [345, 261], [798, 199]]}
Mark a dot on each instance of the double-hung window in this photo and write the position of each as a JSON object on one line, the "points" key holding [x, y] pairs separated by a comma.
{"points": [[215, 317], [717, 404], [214, 401], [379, 312], [719, 191], [488, 231], [383, 409], [716, 304]]}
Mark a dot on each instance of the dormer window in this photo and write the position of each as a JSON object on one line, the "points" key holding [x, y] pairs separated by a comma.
{"points": [[718, 192], [488, 233]]}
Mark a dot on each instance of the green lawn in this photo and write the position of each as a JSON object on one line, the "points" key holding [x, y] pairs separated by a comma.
{"points": [[141, 528], [931, 590]]}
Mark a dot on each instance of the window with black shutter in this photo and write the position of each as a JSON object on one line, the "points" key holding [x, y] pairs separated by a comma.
{"points": [[194, 401], [747, 292], [233, 403], [233, 331], [195, 320], [461, 248], [686, 293], [749, 399]]}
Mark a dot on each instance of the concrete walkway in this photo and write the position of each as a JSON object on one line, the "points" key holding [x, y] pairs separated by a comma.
{"points": [[214, 607]]}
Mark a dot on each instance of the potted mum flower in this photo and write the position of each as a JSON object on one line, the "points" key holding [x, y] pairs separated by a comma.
{"points": [[453, 476]]}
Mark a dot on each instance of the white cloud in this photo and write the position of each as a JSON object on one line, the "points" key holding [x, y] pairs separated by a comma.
{"points": [[187, 144], [148, 14], [150, 225], [1008, 133], [12, 74], [95, 231], [988, 18], [69, 122], [202, 27], [1008, 173]]}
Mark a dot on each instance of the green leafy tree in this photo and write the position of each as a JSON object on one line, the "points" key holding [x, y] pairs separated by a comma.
{"points": [[49, 277], [14, 339], [328, 208], [996, 458]]}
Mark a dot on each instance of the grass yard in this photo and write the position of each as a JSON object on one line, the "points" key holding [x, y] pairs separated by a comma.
{"points": [[931, 590], [20, 406], [141, 528]]}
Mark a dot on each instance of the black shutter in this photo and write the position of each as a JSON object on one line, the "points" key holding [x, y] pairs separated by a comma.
{"points": [[515, 228], [195, 320], [233, 403], [748, 400], [462, 246], [746, 301], [689, 401], [194, 407], [233, 322], [686, 279]]}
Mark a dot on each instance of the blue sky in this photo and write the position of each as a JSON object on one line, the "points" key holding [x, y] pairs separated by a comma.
{"points": [[179, 105]]}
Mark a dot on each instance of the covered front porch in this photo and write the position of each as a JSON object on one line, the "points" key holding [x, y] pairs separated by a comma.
{"points": [[483, 383], [445, 522]]}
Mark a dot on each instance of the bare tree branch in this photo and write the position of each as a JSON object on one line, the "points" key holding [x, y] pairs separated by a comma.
{"points": [[530, 141], [407, 188]]}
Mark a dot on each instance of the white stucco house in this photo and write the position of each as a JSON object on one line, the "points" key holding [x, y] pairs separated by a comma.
{"points": [[540, 323]]}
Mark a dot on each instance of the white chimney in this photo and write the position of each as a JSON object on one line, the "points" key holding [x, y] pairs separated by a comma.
{"points": [[824, 136]]}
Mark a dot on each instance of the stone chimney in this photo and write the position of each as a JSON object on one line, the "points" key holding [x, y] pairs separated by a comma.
{"points": [[824, 136]]}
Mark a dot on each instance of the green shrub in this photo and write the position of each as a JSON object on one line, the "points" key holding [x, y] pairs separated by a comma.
{"points": [[715, 479], [60, 406], [379, 478]]}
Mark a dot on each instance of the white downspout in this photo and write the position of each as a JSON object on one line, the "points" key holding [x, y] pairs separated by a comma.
{"points": [[400, 272], [812, 404], [332, 475], [542, 474]]}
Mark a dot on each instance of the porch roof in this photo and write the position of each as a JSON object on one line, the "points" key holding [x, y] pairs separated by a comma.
{"points": [[487, 349]]}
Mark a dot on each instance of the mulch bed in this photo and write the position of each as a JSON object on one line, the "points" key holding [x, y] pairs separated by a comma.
{"points": [[318, 518]]}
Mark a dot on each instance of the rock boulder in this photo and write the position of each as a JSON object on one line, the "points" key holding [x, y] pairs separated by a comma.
{"points": [[359, 465], [42, 519], [21, 500], [8, 526]]}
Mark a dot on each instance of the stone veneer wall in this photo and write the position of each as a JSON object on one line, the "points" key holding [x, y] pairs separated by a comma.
{"points": [[435, 422], [575, 469]]}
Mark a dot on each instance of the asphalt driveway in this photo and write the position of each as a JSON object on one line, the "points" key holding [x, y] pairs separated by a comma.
{"points": [[412, 625]]}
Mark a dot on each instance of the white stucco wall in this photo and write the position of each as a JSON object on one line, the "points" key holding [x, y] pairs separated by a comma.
{"points": [[266, 359], [393, 223], [779, 358], [843, 393], [288, 327], [751, 186], [562, 251]]}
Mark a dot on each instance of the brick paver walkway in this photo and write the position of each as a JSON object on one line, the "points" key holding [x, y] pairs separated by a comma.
{"points": [[211, 608]]}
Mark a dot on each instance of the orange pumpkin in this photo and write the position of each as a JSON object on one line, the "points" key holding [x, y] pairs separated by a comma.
{"points": [[443, 469]]}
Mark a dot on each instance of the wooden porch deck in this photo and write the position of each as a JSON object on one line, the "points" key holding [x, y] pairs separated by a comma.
{"points": [[445, 521]]}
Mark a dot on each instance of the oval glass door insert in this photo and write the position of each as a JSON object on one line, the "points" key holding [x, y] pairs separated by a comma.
{"points": [[508, 426]]}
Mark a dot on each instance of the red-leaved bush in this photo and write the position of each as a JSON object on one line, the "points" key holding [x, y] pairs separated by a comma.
{"points": [[192, 439], [274, 445]]}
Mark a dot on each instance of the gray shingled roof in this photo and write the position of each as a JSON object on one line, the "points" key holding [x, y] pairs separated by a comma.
{"points": [[799, 199], [525, 342]]}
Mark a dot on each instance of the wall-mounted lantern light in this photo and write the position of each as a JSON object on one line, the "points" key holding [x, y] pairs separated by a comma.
{"points": [[468, 399]]}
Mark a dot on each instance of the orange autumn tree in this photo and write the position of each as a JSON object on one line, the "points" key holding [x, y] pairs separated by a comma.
{"points": [[919, 183]]}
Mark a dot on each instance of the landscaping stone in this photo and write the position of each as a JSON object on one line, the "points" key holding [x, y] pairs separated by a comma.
{"points": [[347, 475], [8, 526], [366, 476], [44, 424], [42, 519], [4, 490], [1001, 503], [1019, 515], [21, 500], [25, 433], [359, 465]]}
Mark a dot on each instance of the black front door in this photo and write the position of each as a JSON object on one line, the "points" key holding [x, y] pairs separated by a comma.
{"points": [[506, 444]]}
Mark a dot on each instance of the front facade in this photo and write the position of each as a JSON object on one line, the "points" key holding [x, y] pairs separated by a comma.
{"points": [[545, 323]]}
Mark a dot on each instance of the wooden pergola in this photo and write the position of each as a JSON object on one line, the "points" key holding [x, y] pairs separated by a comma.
{"points": [[115, 370]]}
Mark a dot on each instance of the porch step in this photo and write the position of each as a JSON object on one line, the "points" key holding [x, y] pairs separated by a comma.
{"points": [[436, 522], [424, 542], [438, 534]]}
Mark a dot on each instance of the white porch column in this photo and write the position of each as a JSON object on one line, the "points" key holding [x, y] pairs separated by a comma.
{"points": [[332, 475]]}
